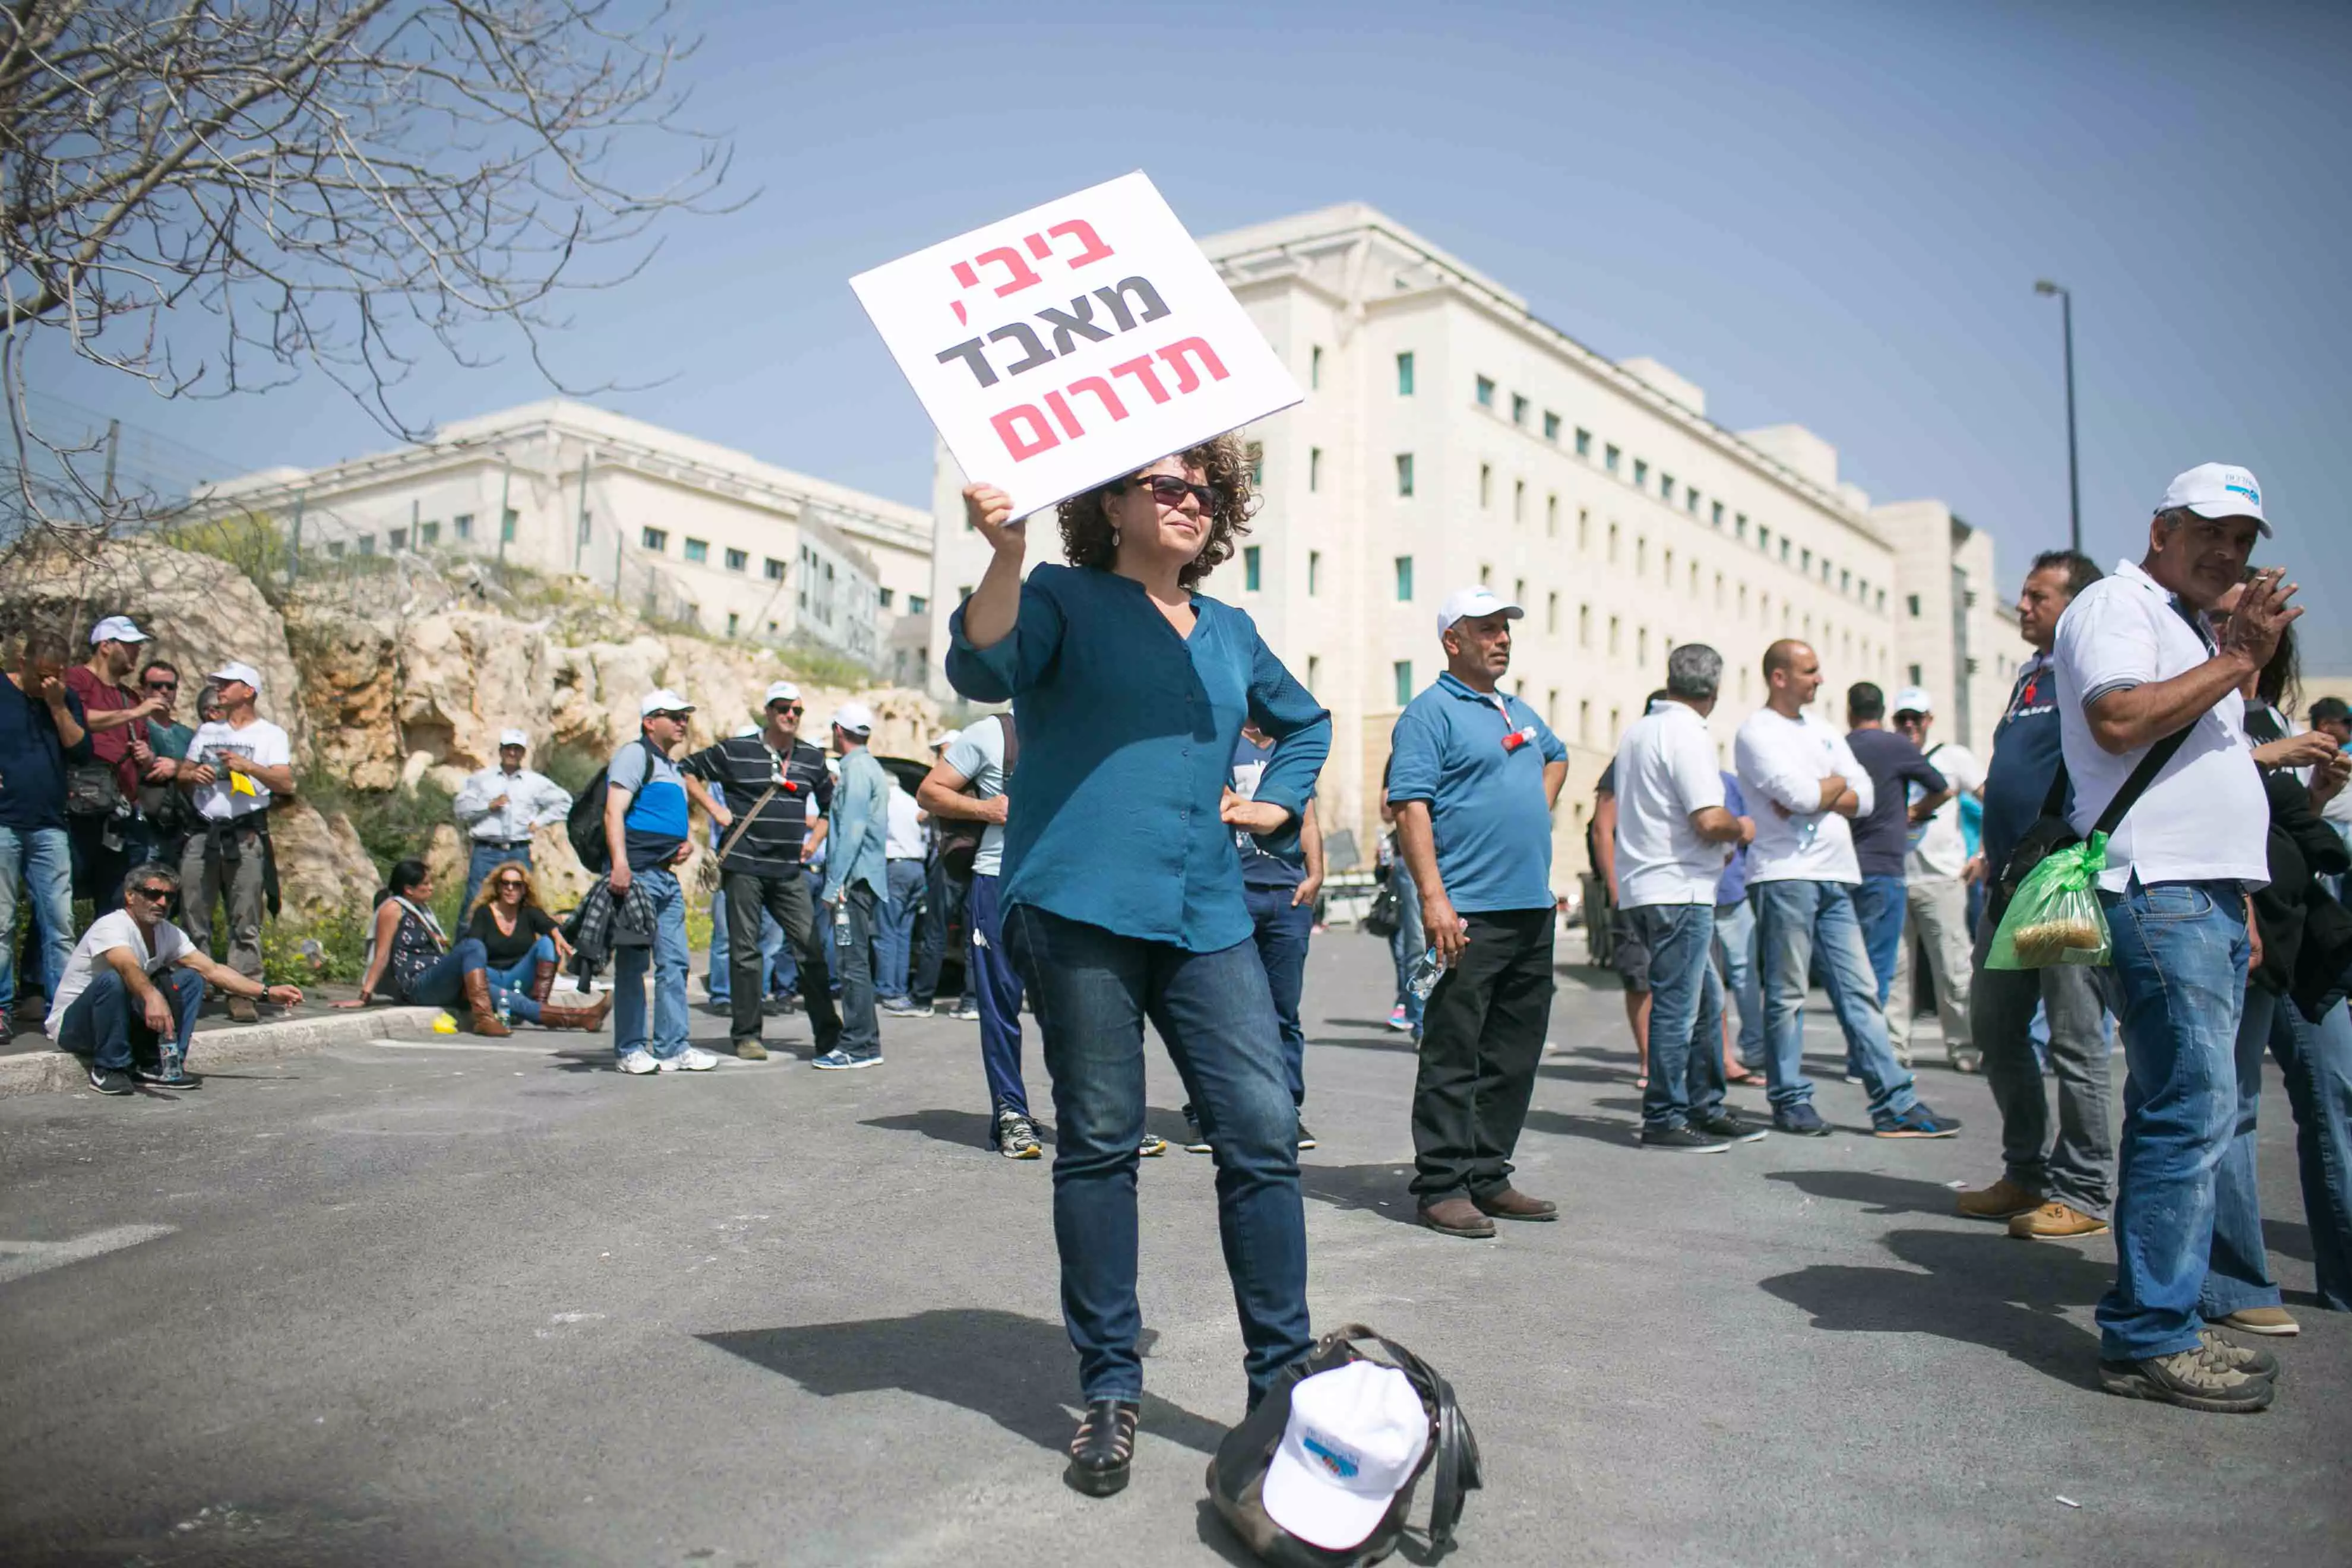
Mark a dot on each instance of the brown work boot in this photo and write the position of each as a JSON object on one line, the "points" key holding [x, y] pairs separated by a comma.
{"points": [[2055, 1221], [750, 1050], [1513, 1204], [2001, 1200], [241, 1010], [551, 1016], [1456, 1217], [542, 980], [477, 1000], [2271, 1321]]}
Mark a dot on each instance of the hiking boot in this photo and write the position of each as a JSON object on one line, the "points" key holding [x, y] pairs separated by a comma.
{"points": [[2247, 1359], [1017, 1136], [750, 1050], [1104, 1447], [1456, 1217], [2003, 1200], [2055, 1221], [2270, 1321], [241, 1010], [1513, 1204], [1682, 1140], [1801, 1119], [2200, 1379], [1916, 1123], [1729, 1125], [1195, 1141]]}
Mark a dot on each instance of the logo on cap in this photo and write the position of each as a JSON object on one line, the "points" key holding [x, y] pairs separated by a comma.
{"points": [[1340, 1463]]}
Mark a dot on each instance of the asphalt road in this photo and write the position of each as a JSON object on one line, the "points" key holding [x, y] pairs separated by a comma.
{"points": [[457, 1302]]}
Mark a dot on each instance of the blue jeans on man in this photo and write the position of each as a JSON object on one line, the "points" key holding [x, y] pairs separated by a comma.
{"points": [[2179, 955], [1878, 909], [43, 857], [486, 857], [1685, 1015], [2315, 1060], [1735, 952], [996, 985], [1797, 923], [852, 971], [1407, 946], [668, 960], [894, 951], [107, 1025], [1092, 989], [1281, 931]]}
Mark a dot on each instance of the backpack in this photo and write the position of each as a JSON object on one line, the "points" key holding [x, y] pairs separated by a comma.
{"points": [[583, 825], [1237, 1472], [960, 841]]}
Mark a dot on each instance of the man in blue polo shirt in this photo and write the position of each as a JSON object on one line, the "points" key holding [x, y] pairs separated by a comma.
{"points": [[646, 832], [1473, 775]]}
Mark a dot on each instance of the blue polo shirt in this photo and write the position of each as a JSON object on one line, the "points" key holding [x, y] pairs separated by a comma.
{"points": [[1127, 734], [1486, 802]]}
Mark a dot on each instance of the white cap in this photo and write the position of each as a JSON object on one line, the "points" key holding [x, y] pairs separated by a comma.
{"points": [[238, 672], [1471, 603], [782, 691], [513, 738], [1356, 1434], [663, 700], [2216, 490], [945, 738], [1912, 699], [116, 628], [854, 717]]}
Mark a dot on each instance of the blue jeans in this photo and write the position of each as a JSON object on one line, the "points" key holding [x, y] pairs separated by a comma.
{"points": [[104, 1024], [512, 985], [2317, 1061], [2180, 960], [853, 970], [1685, 1013], [943, 908], [1282, 931], [484, 858], [1797, 923], [1410, 942], [667, 958], [441, 983], [894, 951], [996, 984], [43, 857], [1735, 952], [1093, 989], [1878, 907]]}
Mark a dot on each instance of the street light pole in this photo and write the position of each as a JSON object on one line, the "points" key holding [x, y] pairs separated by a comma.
{"points": [[2073, 466]]}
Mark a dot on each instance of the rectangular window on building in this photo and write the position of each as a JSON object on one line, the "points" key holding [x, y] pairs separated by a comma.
{"points": [[1666, 486], [1642, 645], [1313, 572], [1616, 725], [737, 560], [1807, 564], [1583, 531], [1612, 544], [1584, 722], [1314, 671], [884, 596], [1486, 575], [774, 571], [1403, 578], [1739, 528], [1250, 558], [1255, 455], [654, 539], [1518, 590], [1402, 669], [1882, 601], [1551, 517], [1404, 473], [1518, 409], [395, 539], [1911, 600], [1486, 484], [1552, 613], [428, 533], [507, 525], [1551, 427], [1640, 555], [1690, 502], [1845, 580], [1716, 512], [1609, 459], [1485, 392], [734, 621], [1584, 443], [1519, 500], [917, 603], [1640, 475], [1404, 375], [335, 549], [1314, 468], [1914, 676], [1784, 549], [698, 551], [1584, 626], [1615, 640], [462, 525], [1551, 706], [1763, 539], [1315, 368]]}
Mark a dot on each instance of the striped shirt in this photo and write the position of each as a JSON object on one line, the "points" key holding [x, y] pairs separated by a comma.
{"points": [[745, 767]]}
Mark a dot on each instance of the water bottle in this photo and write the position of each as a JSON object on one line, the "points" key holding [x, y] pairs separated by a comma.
{"points": [[506, 1008], [1425, 975], [171, 1062], [841, 923]]}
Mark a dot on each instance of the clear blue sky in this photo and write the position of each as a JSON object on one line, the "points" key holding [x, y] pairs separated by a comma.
{"points": [[1822, 212]]}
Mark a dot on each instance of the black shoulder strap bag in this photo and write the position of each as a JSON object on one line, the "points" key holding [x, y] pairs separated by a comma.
{"points": [[2051, 831]]}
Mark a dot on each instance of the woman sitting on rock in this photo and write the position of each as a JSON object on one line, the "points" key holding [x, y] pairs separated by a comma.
{"points": [[411, 961]]}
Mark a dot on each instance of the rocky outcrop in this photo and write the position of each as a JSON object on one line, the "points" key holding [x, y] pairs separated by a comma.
{"points": [[322, 865]]}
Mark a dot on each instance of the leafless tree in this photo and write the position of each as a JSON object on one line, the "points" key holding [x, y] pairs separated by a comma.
{"points": [[215, 196]]}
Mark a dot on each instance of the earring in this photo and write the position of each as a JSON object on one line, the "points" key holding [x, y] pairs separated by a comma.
{"points": [[1114, 539]]}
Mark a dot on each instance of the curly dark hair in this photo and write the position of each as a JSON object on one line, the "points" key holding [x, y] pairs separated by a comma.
{"points": [[1086, 527]]}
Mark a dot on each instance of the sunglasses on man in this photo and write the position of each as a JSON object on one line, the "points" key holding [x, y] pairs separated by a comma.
{"points": [[791, 709], [162, 686], [1169, 490], [152, 895]]}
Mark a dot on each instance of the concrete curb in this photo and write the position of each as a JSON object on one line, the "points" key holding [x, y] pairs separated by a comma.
{"points": [[43, 1072]]}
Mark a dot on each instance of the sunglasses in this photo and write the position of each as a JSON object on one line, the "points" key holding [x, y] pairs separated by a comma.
{"points": [[155, 895], [1169, 490], [792, 709], [516, 882], [162, 686], [679, 718]]}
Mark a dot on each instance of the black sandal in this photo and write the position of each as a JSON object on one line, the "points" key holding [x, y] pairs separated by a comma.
{"points": [[1104, 1444]]}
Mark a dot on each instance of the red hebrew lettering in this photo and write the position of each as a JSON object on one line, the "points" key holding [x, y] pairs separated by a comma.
{"points": [[1039, 246], [1186, 380], [1101, 389], [965, 275], [1090, 248], [1063, 416], [1142, 370], [1020, 276], [1024, 448]]}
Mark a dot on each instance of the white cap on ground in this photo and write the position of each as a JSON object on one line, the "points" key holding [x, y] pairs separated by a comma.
{"points": [[513, 738], [243, 673], [2216, 490], [946, 738], [663, 700], [1912, 699], [1475, 604], [116, 628], [1355, 1436], [781, 691], [854, 717]]}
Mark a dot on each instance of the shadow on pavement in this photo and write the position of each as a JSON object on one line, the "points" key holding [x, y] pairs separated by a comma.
{"points": [[1012, 1369], [1576, 1072], [1388, 1042], [1382, 1190], [1379, 1025], [1883, 1194], [1976, 1287], [964, 1129], [2288, 1238], [1618, 1132]]}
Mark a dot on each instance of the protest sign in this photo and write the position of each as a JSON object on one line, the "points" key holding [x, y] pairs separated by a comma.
{"points": [[1073, 343]]}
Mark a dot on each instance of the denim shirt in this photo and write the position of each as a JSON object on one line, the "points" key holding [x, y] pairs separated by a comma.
{"points": [[1127, 742], [861, 822]]}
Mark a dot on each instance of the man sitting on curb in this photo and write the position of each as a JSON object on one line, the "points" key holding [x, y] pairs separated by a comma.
{"points": [[135, 982]]}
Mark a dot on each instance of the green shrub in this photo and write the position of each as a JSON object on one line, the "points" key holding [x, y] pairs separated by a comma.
{"points": [[308, 953], [393, 823], [571, 765]]}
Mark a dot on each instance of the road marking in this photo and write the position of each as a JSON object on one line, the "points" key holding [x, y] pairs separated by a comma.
{"points": [[20, 1258], [462, 1045]]}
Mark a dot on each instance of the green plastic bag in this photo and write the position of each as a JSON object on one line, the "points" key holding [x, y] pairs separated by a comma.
{"points": [[2055, 916]]}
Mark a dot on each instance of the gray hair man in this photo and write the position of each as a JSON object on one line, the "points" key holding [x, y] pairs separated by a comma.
{"points": [[242, 763], [499, 807], [1673, 838]]}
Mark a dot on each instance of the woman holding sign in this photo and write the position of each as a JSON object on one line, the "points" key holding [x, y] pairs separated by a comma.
{"points": [[1123, 894]]}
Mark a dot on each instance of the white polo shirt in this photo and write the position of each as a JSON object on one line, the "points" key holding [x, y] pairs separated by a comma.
{"points": [[1666, 770], [1785, 760], [2205, 818]]}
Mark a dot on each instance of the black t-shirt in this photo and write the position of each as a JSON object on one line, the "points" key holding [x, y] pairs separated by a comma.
{"points": [[1880, 838], [507, 950]]}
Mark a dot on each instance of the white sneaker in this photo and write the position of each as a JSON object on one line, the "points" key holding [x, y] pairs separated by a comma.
{"points": [[694, 1059], [640, 1062]]}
